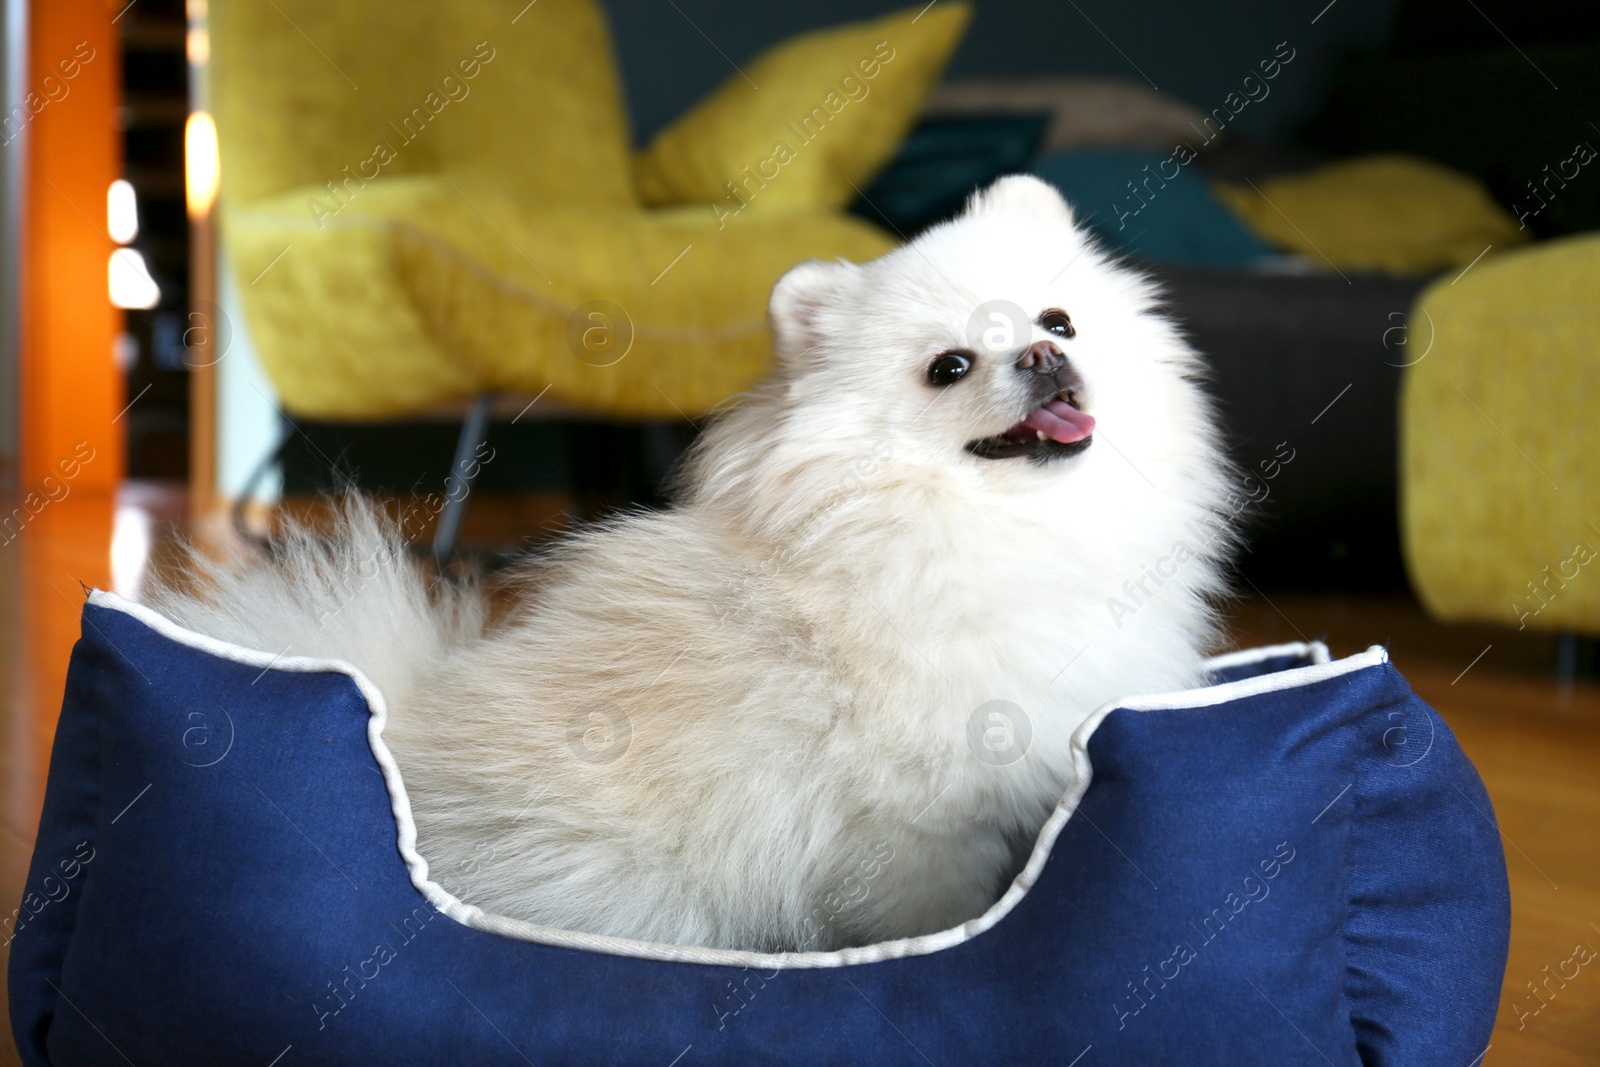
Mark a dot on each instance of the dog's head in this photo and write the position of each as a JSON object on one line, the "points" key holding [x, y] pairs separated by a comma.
{"points": [[1001, 352], [1003, 339]]}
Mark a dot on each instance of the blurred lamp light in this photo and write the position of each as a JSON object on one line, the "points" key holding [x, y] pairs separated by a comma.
{"points": [[200, 163], [122, 212], [198, 44], [130, 281]]}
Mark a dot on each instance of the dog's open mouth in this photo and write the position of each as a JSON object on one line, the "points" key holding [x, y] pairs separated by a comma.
{"points": [[1058, 427]]}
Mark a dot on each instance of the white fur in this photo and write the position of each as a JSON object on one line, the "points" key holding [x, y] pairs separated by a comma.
{"points": [[794, 653]]}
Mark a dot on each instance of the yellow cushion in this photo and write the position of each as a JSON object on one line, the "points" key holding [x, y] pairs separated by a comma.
{"points": [[1391, 213], [428, 289], [808, 121], [310, 92], [422, 201], [1500, 506]]}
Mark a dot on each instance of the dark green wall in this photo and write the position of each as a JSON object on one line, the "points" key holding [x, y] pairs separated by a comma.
{"points": [[668, 50]]}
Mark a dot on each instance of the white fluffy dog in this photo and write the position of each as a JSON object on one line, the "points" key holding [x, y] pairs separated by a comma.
{"points": [[827, 699]]}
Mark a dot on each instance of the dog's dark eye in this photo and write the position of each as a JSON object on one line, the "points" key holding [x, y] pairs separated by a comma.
{"points": [[1056, 321], [949, 368]]}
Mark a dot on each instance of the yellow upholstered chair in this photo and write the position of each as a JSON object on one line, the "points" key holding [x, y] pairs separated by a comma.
{"points": [[425, 202], [1500, 441]]}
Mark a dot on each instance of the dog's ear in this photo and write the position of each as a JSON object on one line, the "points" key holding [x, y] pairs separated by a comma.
{"points": [[1021, 196], [797, 300]]}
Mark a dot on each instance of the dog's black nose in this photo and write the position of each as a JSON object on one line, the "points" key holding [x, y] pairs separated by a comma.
{"points": [[1042, 357]]}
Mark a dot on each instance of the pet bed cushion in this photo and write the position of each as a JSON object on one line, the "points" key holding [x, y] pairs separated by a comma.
{"points": [[794, 129], [1295, 865]]}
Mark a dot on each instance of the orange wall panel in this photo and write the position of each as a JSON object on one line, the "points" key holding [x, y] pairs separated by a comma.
{"points": [[71, 388]]}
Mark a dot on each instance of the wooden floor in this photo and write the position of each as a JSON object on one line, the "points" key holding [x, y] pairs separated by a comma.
{"points": [[1537, 744]]}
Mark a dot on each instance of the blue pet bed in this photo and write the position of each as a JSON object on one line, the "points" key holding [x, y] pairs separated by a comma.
{"points": [[1296, 865]]}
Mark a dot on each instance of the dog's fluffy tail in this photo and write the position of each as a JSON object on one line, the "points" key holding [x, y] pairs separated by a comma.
{"points": [[355, 594]]}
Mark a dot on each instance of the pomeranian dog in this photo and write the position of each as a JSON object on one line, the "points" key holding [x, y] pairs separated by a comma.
{"points": [[828, 698]]}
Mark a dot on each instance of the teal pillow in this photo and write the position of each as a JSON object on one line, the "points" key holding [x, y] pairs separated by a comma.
{"points": [[1151, 205], [942, 162]]}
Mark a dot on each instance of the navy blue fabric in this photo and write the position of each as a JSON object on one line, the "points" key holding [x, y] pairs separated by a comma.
{"points": [[1304, 875], [942, 161], [1256, 668], [1168, 213]]}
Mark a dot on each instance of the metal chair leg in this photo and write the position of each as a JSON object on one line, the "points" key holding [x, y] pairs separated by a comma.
{"points": [[463, 473], [248, 491]]}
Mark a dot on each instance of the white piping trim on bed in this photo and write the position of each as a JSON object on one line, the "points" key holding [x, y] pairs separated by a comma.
{"points": [[378, 717], [1323, 667]]}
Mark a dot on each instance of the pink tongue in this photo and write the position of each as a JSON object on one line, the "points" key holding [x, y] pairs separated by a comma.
{"points": [[1061, 422]]}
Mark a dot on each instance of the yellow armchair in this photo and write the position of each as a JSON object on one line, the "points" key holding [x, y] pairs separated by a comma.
{"points": [[1500, 441], [424, 202]]}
